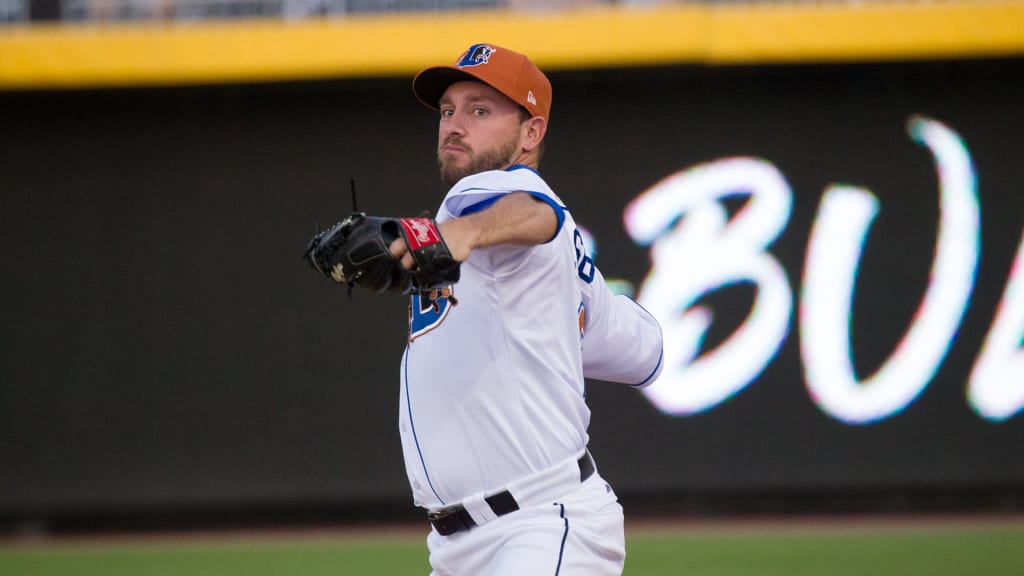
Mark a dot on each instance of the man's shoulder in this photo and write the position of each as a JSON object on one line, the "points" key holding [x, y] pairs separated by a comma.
{"points": [[477, 191]]}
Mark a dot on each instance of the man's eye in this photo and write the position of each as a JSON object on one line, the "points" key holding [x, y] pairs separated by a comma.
{"points": [[447, 112], [479, 111]]}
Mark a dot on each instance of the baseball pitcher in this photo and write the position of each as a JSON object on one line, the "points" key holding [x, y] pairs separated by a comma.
{"points": [[508, 315]]}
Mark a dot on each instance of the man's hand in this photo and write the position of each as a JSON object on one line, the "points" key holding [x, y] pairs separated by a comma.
{"points": [[358, 251], [516, 218]]}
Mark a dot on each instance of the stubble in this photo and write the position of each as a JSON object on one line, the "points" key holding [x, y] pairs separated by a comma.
{"points": [[494, 159]]}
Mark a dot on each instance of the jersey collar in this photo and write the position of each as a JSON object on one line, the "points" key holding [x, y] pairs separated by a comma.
{"points": [[521, 167]]}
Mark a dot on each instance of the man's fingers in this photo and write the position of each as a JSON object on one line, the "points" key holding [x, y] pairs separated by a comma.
{"points": [[400, 251], [398, 248]]}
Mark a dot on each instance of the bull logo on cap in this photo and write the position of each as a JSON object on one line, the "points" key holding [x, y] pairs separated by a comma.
{"points": [[476, 55]]}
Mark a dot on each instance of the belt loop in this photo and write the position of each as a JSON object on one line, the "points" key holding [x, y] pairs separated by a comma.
{"points": [[587, 466], [479, 509]]}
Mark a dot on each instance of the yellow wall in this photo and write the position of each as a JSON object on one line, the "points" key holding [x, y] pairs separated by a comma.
{"points": [[72, 55]]}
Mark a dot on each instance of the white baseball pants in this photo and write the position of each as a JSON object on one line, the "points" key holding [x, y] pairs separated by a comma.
{"points": [[578, 535]]}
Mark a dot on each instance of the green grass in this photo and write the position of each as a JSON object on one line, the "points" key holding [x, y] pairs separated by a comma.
{"points": [[830, 552], [982, 550], [221, 557]]}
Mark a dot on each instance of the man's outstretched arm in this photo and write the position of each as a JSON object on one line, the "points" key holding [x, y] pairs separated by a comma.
{"points": [[515, 218]]}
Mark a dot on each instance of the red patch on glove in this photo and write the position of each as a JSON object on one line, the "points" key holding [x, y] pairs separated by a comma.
{"points": [[420, 232]]}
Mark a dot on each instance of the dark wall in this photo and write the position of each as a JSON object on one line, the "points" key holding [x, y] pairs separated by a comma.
{"points": [[164, 345]]}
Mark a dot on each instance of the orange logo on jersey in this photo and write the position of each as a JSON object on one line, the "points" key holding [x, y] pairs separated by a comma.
{"points": [[445, 293], [583, 319]]}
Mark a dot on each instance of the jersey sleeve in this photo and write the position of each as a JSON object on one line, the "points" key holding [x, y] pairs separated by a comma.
{"points": [[479, 191], [622, 342]]}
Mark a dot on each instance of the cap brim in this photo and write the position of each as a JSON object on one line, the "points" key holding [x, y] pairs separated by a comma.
{"points": [[429, 85]]}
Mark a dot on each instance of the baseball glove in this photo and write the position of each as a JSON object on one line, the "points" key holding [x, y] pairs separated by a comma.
{"points": [[356, 251]]}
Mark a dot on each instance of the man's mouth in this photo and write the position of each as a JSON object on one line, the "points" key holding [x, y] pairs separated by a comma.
{"points": [[452, 147]]}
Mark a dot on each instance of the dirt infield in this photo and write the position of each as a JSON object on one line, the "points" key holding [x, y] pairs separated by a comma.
{"points": [[875, 523]]}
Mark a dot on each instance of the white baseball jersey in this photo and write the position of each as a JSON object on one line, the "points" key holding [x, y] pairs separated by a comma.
{"points": [[492, 380]]}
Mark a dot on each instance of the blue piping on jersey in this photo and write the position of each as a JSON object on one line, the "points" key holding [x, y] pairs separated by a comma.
{"points": [[653, 372], [661, 355], [483, 204], [521, 167], [565, 535], [559, 211], [479, 206], [408, 405]]}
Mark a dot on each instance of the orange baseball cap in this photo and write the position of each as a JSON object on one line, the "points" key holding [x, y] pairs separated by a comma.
{"points": [[508, 72]]}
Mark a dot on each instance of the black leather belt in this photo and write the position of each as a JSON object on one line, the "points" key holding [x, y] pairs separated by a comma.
{"points": [[457, 519]]}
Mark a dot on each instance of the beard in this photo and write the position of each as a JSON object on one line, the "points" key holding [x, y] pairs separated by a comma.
{"points": [[494, 159]]}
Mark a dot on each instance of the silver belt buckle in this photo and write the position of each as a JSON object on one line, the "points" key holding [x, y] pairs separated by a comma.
{"points": [[432, 516]]}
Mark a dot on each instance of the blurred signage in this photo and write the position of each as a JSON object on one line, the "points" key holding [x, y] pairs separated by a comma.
{"points": [[697, 248]]}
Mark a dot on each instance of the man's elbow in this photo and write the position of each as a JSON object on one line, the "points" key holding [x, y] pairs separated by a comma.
{"points": [[546, 216]]}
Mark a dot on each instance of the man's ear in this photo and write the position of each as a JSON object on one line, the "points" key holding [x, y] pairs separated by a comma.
{"points": [[533, 131]]}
